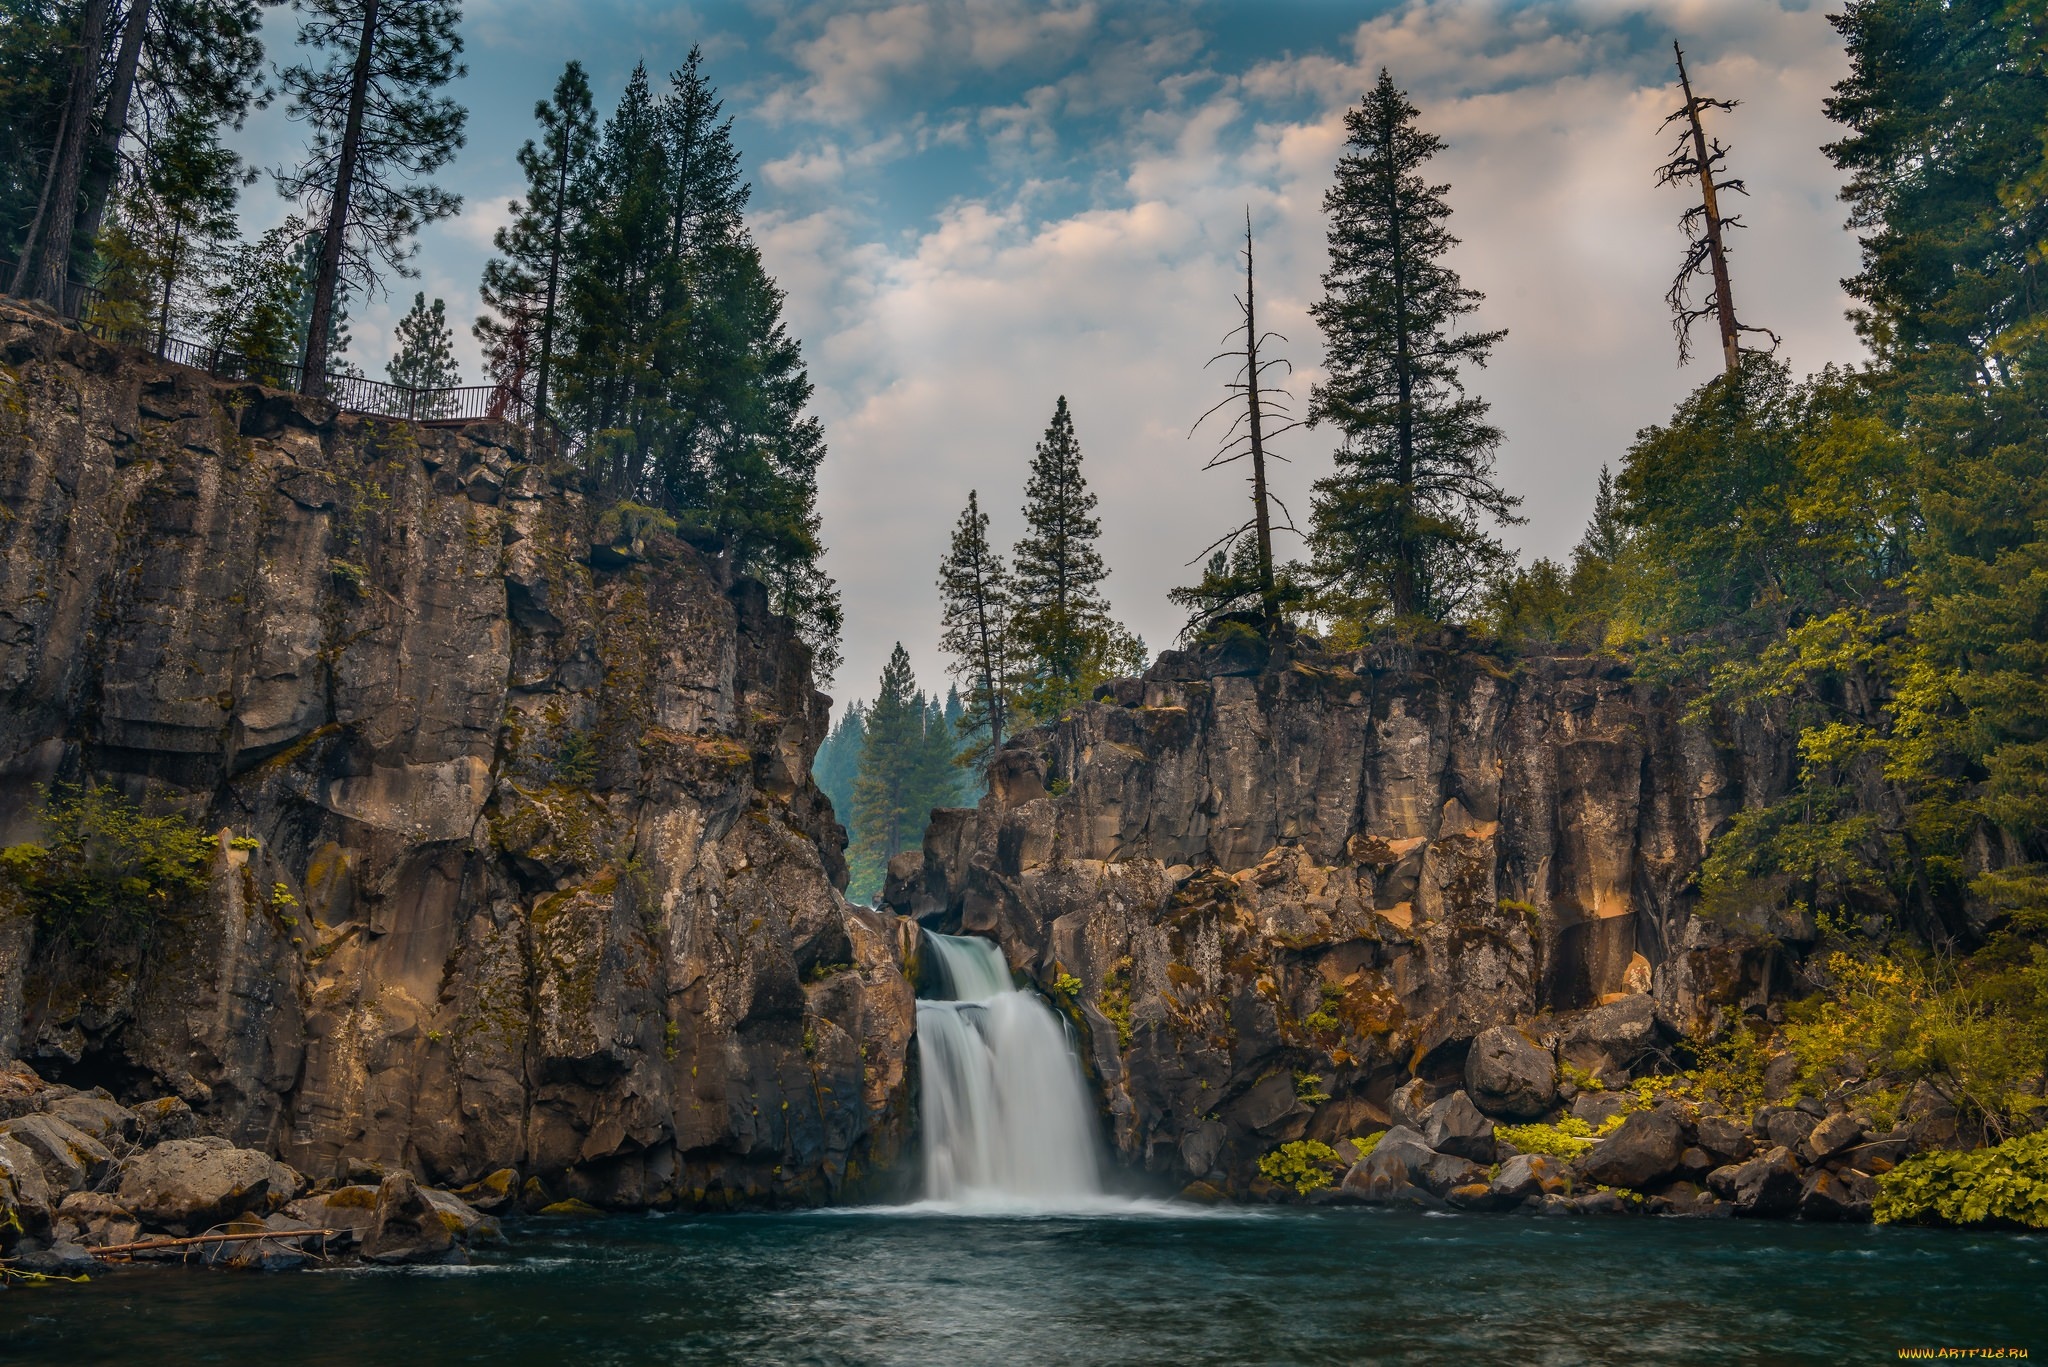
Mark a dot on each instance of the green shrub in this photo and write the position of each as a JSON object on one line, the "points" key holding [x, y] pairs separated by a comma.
{"points": [[1568, 1138], [1308, 1088], [2003, 1185], [1306, 1165], [104, 867]]}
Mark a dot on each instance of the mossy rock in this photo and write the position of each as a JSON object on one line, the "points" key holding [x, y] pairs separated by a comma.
{"points": [[571, 1208]]}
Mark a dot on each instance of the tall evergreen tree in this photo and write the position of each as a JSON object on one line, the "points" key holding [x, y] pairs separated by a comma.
{"points": [[974, 629], [1397, 527], [1062, 639], [424, 355], [523, 287], [377, 130], [681, 373], [838, 760], [890, 792], [250, 309]]}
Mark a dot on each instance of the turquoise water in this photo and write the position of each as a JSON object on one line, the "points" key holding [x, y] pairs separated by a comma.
{"points": [[1331, 1286]]}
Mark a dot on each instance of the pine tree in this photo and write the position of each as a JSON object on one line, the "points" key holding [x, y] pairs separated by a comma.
{"points": [[974, 628], [523, 287], [250, 307], [838, 759], [1397, 527], [887, 817], [423, 358], [182, 210], [1062, 639], [377, 131]]}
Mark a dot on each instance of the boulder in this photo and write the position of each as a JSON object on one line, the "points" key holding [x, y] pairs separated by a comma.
{"points": [[408, 1228], [167, 1117], [1507, 1074], [1409, 1103], [97, 1220], [465, 1221], [1610, 1039], [1455, 1126], [1393, 1170], [1767, 1185], [1721, 1181], [1597, 1108], [1843, 1196], [189, 1185], [71, 1159], [25, 1202], [1477, 1195], [282, 1254], [1726, 1140], [1834, 1134], [1881, 1154], [351, 1211], [95, 1114], [495, 1192], [1444, 1172], [1644, 1150], [1788, 1129], [1599, 1203], [58, 1258], [1695, 1163], [1530, 1174], [21, 1091]]}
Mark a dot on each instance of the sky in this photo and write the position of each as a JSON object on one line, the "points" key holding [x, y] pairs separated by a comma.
{"points": [[977, 206]]}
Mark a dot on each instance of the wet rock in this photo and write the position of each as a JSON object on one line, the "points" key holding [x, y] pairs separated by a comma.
{"points": [[1766, 1186], [1844, 1196], [1477, 1195], [1695, 1163], [1881, 1154], [1455, 1126], [1395, 1171], [1645, 1149], [465, 1221], [493, 1193], [58, 1258], [1727, 1140], [1530, 1174], [188, 1185], [349, 1210], [1831, 1136], [1599, 1203], [1204, 1194], [71, 1159], [408, 1226], [1507, 1074]]}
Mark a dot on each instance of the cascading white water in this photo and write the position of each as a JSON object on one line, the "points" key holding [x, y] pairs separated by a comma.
{"points": [[1005, 1111]]}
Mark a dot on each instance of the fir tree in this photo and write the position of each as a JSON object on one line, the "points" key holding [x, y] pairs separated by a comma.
{"points": [[306, 266], [974, 629], [524, 286], [892, 785], [1062, 639], [378, 129], [423, 358], [250, 307], [1397, 527], [838, 760]]}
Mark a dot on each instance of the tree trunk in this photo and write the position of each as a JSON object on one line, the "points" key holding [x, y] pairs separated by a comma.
{"points": [[1404, 422], [25, 268], [313, 377], [99, 181], [1724, 294], [1251, 358], [547, 316], [51, 281]]}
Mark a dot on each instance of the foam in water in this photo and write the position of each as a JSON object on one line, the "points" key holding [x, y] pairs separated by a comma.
{"points": [[1006, 1118]]}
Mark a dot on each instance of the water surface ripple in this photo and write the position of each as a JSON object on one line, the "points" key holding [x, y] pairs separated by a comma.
{"points": [[1331, 1286]]}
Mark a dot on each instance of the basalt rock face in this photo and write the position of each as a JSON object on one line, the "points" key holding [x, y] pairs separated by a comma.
{"points": [[1288, 883], [520, 860]]}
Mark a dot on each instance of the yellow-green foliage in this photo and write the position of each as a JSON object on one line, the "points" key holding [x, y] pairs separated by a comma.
{"points": [[103, 866], [1568, 1138], [1116, 1001], [1306, 1165], [1580, 1078], [2003, 1185], [1366, 1145], [1308, 1088], [1067, 985], [1980, 1026]]}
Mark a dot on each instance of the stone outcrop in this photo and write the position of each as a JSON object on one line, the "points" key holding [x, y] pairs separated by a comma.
{"points": [[519, 860], [1288, 882]]}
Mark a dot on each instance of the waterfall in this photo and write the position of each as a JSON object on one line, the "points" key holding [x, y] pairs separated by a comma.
{"points": [[1006, 1116]]}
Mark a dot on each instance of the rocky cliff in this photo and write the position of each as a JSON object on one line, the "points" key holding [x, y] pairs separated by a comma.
{"points": [[1273, 888], [519, 859]]}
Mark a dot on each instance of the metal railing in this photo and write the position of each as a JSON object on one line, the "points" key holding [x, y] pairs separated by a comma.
{"points": [[349, 392]]}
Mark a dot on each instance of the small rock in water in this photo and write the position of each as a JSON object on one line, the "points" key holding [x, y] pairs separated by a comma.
{"points": [[409, 1228]]}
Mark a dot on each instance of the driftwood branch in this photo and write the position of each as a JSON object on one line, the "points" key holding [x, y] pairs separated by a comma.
{"points": [[196, 1240]]}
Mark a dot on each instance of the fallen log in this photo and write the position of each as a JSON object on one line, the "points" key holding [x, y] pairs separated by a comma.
{"points": [[193, 1240]]}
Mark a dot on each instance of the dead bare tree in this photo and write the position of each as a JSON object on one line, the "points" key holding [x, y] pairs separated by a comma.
{"points": [[1249, 431], [1698, 157]]}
